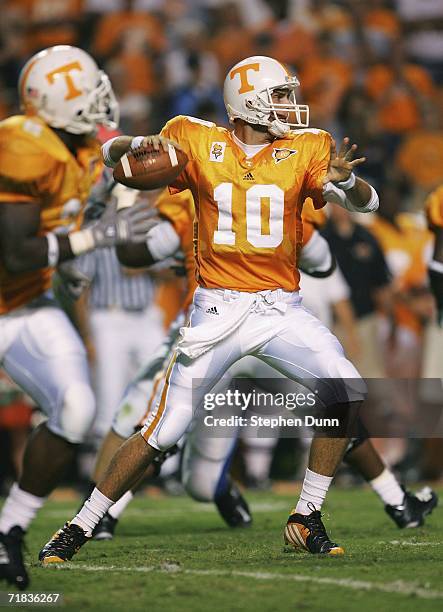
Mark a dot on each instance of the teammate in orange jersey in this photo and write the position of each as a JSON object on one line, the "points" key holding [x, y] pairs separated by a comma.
{"points": [[49, 159], [249, 188]]}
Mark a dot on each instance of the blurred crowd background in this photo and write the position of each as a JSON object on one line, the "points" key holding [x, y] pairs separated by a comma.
{"points": [[369, 69]]}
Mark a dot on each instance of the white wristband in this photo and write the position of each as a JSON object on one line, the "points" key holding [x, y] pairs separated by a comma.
{"points": [[53, 249], [348, 184], [107, 159], [81, 242], [436, 266], [106, 149]]}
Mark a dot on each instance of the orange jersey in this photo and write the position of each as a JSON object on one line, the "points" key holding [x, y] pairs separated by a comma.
{"points": [[434, 208], [35, 166], [248, 211]]}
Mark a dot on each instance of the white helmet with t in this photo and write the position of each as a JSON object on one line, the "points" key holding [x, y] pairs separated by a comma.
{"points": [[64, 86], [248, 95]]}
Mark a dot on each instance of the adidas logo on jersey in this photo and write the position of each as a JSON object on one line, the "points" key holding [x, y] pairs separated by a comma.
{"points": [[249, 177], [212, 310]]}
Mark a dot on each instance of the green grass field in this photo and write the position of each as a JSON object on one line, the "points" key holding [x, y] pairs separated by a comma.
{"points": [[174, 554]]}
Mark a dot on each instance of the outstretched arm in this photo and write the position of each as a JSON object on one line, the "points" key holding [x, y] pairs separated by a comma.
{"points": [[342, 187], [22, 249]]}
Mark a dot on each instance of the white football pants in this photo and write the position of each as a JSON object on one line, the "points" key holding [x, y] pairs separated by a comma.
{"points": [[44, 355], [277, 330]]}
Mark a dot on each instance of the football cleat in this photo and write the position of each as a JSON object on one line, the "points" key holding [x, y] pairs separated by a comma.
{"points": [[12, 568], [233, 508], [63, 545], [414, 508], [104, 530], [307, 532]]}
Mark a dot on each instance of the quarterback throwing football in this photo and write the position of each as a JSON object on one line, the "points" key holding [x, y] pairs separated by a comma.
{"points": [[249, 186]]}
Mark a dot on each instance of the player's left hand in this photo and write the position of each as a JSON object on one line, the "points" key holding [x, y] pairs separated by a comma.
{"points": [[341, 164]]}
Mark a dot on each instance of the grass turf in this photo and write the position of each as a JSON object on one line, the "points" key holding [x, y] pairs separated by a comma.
{"points": [[174, 554]]}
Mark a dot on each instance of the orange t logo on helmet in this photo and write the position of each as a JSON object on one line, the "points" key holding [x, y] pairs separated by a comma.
{"points": [[245, 86], [72, 92]]}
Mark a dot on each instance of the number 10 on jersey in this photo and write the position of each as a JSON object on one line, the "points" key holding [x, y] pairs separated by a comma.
{"points": [[256, 234]]}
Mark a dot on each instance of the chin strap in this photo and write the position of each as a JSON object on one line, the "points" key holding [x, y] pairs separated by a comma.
{"points": [[278, 128]]}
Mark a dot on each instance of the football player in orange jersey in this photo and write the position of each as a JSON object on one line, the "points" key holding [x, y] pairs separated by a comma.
{"points": [[49, 159], [249, 188]]}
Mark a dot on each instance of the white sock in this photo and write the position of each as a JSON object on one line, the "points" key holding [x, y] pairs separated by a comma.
{"points": [[388, 489], [19, 509], [92, 511], [121, 504], [315, 487]]}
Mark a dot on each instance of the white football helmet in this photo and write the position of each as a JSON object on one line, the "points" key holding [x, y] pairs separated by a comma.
{"points": [[248, 95], [64, 86]]}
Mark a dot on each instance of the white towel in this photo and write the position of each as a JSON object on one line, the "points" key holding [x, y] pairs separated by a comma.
{"points": [[198, 340]]}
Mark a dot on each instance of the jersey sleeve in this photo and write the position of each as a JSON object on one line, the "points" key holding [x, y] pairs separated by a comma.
{"points": [[317, 169], [178, 129], [188, 132], [434, 208], [25, 167]]}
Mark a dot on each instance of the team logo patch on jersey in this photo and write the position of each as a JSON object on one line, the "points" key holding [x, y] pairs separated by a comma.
{"points": [[281, 154], [217, 152]]}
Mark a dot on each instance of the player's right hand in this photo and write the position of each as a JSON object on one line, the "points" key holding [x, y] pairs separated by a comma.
{"points": [[158, 141]]}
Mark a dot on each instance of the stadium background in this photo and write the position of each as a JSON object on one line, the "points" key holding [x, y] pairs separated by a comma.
{"points": [[369, 70]]}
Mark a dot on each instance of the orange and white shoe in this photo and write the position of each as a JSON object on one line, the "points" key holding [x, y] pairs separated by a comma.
{"points": [[307, 532]]}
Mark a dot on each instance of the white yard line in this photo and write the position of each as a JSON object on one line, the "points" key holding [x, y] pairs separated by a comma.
{"points": [[398, 587], [410, 543]]}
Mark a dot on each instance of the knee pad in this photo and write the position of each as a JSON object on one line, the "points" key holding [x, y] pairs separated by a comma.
{"points": [[76, 413]]}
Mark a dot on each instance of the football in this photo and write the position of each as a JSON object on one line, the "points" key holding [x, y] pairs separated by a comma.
{"points": [[146, 168]]}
